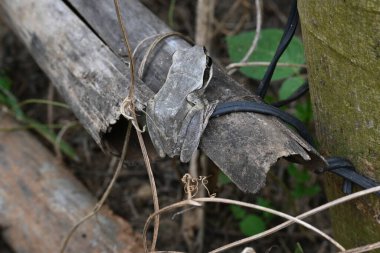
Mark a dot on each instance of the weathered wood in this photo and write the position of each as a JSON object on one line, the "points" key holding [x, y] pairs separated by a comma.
{"points": [[87, 74], [94, 81], [40, 201]]}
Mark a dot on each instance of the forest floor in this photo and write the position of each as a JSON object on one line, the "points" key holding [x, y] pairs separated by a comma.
{"points": [[131, 196]]}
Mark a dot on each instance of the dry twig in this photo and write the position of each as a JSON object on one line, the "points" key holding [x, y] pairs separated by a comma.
{"points": [[263, 64], [257, 35], [101, 202], [198, 201], [129, 104], [302, 216], [365, 248]]}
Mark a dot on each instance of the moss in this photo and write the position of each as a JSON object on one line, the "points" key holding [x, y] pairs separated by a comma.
{"points": [[342, 47]]}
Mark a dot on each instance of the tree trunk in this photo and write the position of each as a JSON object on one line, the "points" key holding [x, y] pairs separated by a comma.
{"points": [[342, 42]]}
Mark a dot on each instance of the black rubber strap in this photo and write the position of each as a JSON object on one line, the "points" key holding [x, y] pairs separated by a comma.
{"points": [[262, 108], [296, 95], [345, 169], [284, 42]]}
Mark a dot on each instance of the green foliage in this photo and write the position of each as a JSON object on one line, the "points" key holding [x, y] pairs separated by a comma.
{"points": [[298, 248], [239, 44], [289, 86], [223, 179], [265, 203], [238, 212], [302, 179], [9, 100], [171, 13], [251, 224], [5, 82], [304, 111]]}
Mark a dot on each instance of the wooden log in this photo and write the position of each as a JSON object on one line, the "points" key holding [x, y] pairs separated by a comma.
{"points": [[40, 201], [94, 80]]}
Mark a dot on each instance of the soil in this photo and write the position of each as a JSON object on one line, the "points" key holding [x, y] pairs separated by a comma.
{"points": [[131, 197]]}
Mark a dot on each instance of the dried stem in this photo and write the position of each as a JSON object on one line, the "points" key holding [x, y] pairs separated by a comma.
{"points": [[100, 203], [257, 35], [130, 102], [198, 201], [302, 216], [204, 22], [263, 64], [364, 248], [58, 140]]}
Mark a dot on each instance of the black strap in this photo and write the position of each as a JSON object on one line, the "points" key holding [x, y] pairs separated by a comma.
{"points": [[284, 42], [296, 95], [250, 106], [345, 169]]}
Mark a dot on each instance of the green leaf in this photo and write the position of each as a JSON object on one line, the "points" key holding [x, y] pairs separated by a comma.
{"points": [[300, 176], [269, 99], [223, 179], [5, 82], [289, 86], [251, 225], [298, 248], [312, 190], [265, 203], [239, 44], [301, 191], [50, 136], [10, 101], [238, 212], [304, 111]]}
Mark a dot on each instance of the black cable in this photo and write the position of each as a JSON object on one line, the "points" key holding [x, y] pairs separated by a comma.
{"points": [[345, 169], [284, 42], [262, 108], [302, 90]]}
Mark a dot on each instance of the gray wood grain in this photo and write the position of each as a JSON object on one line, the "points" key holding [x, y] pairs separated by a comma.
{"points": [[88, 75], [41, 200], [93, 80]]}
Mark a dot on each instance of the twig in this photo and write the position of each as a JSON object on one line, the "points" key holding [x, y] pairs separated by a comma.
{"points": [[171, 13], [231, 11], [204, 22], [111, 166], [302, 216], [164, 210], [159, 39], [130, 103], [234, 202], [365, 248], [257, 35], [100, 203], [49, 108], [258, 30], [248, 250], [58, 140], [264, 64], [43, 101], [281, 16], [272, 211], [195, 219]]}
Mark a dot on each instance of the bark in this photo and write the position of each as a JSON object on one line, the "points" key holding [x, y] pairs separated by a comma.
{"points": [[40, 201], [79, 45], [343, 54]]}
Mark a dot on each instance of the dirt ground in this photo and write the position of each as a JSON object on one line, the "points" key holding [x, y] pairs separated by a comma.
{"points": [[131, 197]]}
